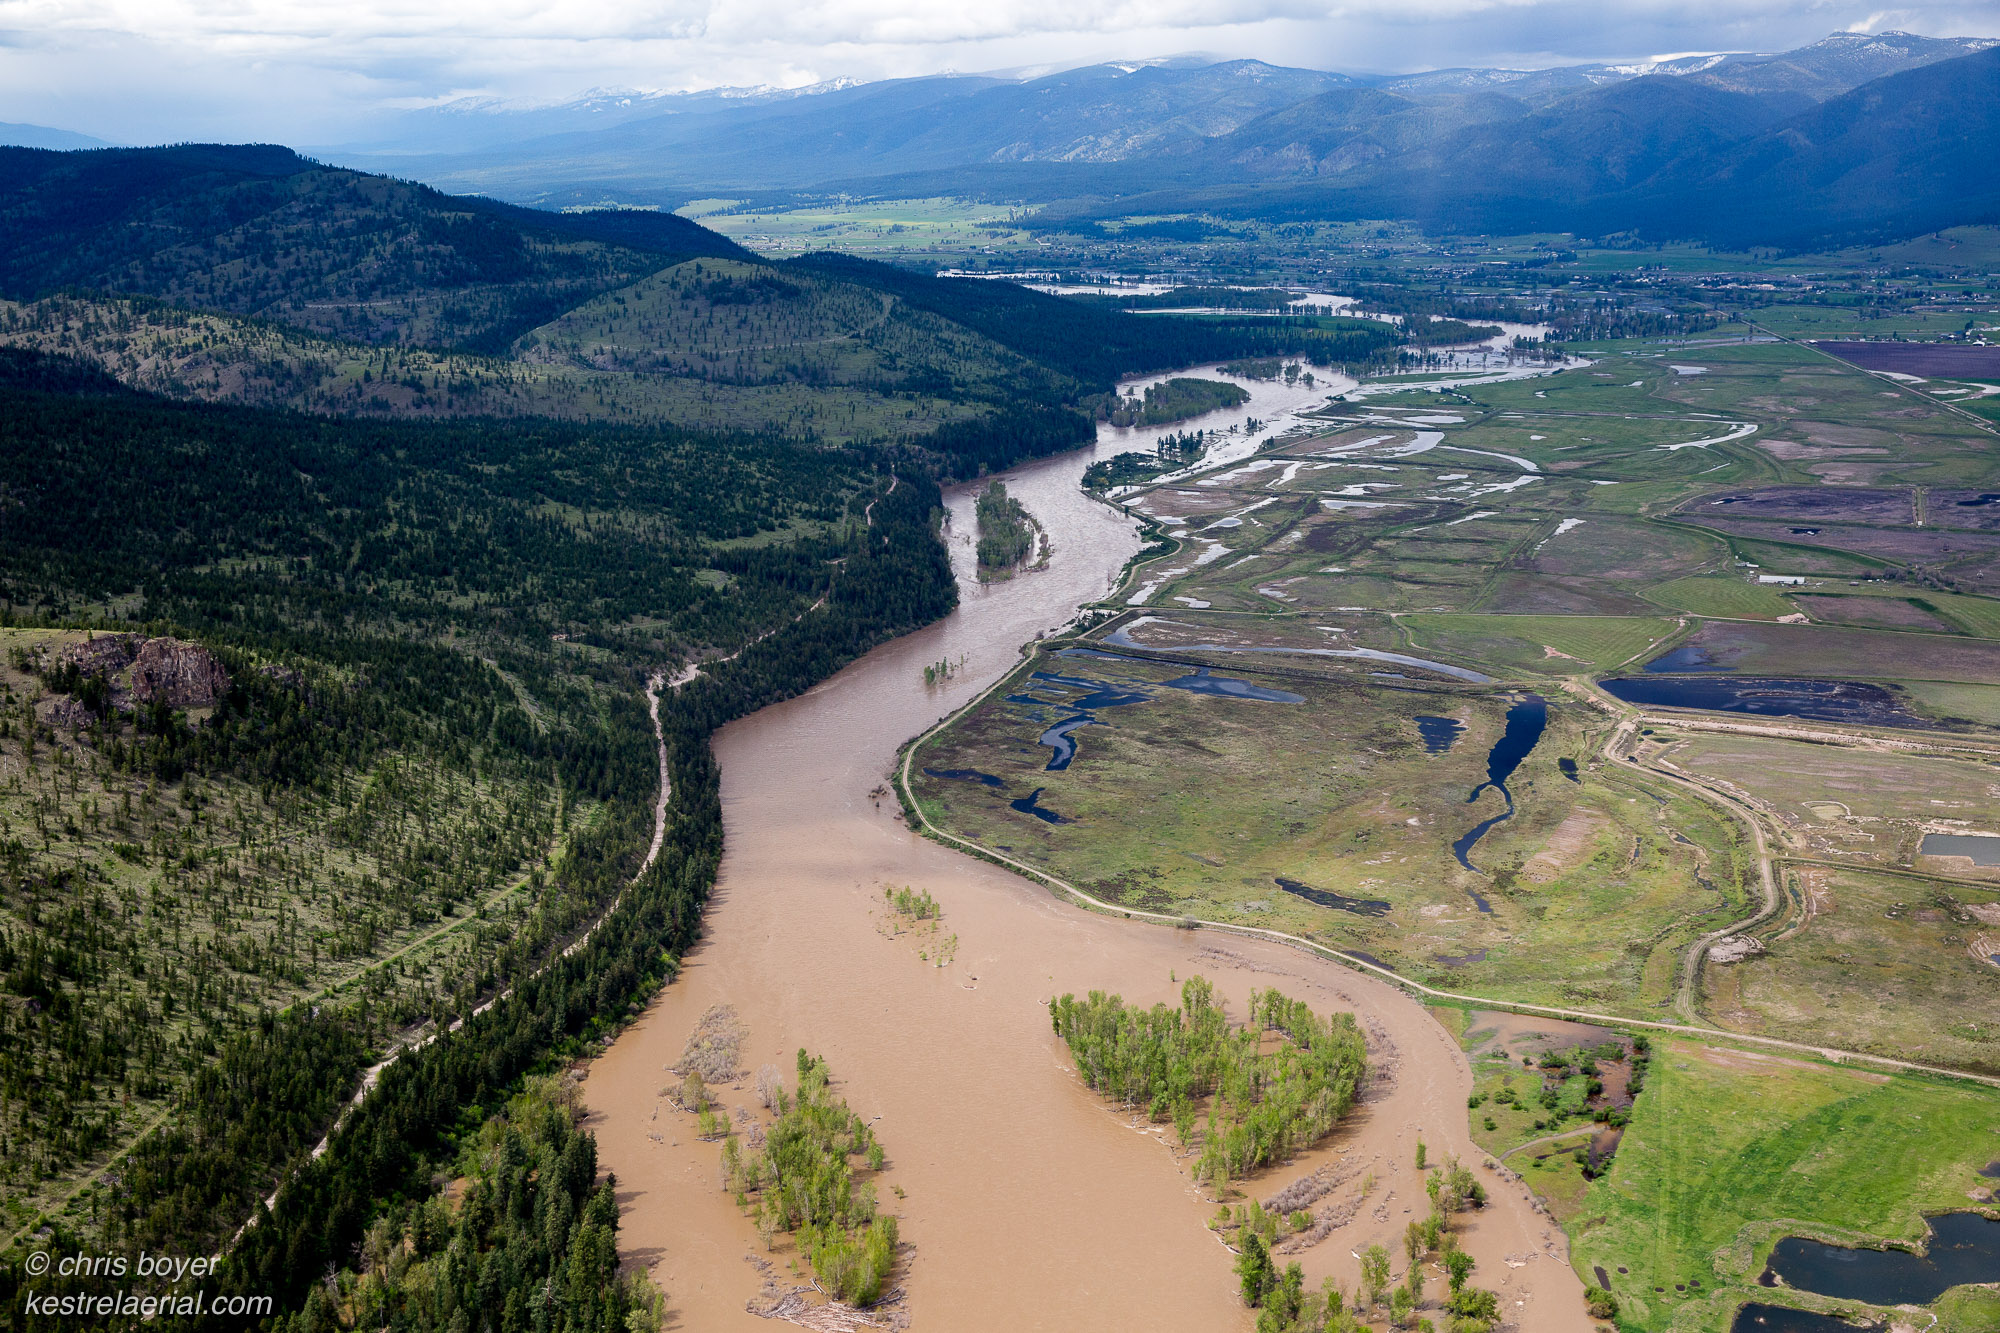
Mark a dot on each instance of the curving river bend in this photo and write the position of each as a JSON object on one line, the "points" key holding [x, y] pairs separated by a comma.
{"points": [[1029, 1205]]}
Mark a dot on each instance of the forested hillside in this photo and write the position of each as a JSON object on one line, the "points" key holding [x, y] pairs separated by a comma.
{"points": [[317, 734], [251, 275], [259, 230]]}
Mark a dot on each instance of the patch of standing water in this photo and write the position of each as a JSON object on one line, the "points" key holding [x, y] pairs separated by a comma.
{"points": [[966, 775], [1202, 682], [1964, 1248], [1568, 767], [1687, 657], [1526, 721], [1096, 694], [1439, 734], [1028, 805]]}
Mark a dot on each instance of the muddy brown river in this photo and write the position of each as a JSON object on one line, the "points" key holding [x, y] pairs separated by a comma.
{"points": [[1027, 1203]]}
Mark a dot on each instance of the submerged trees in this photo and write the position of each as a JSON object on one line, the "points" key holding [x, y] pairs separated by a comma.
{"points": [[1261, 1107], [1006, 533], [802, 1181]]}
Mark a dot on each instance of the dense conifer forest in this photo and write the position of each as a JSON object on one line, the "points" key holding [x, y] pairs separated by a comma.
{"points": [[418, 762]]}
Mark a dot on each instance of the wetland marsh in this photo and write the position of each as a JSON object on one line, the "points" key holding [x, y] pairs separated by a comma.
{"points": [[1730, 693]]}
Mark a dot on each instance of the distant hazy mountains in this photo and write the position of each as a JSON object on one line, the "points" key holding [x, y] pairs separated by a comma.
{"points": [[1851, 135], [41, 136]]}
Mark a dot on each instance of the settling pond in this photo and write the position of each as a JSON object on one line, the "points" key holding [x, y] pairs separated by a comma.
{"points": [[1982, 848], [1813, 700]]}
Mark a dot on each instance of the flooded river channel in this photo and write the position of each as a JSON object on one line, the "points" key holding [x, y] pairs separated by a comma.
{"points": [[1026, 1202]]}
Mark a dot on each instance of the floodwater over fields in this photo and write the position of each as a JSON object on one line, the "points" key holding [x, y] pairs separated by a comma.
{"points": [[1027, 1203]]}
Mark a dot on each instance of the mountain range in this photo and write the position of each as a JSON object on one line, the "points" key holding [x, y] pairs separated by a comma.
{"points": [[1886, 130], [1853, 137]]}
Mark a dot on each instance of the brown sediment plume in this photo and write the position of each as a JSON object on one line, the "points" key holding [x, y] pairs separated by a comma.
{"points": [[1031, 1203]]}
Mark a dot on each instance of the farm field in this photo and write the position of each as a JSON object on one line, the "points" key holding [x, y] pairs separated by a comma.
{"points": [[1726, 598], [950, 225], [1840, 651], [1729, 1151], [1559, 645]]}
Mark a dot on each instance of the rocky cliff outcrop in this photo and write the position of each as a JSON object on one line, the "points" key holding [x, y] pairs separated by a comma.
{"points": [[186, 675], [104, 655]]}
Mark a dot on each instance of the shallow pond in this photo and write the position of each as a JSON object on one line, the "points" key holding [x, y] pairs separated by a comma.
{"points": [[966, 775], [1687, 657], [1338, 901], [1849, 701], [1526, 721], [1984, 849], [1204, 682], [1439, 734], [1029, 805], [1568, 767], [1964, 1247]]}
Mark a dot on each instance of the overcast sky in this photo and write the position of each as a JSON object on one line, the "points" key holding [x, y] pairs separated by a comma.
{"points": [[319, 71]]}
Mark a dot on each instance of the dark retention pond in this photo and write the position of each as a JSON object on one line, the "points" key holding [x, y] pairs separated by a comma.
{"points": [[1526, 721], [1964, 1247], [1849, 701], [1756, 1318], [1338, 901]]}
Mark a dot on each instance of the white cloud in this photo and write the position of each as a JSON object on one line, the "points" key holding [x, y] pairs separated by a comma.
{"points": [[316, 70]]}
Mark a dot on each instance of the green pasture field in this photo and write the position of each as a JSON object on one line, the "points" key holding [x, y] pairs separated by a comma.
{"points": [[1729, 1151], [1973, 703], [1787, 558], [864, 225], [1723, 597], [1524, 643], [1835, 321]]}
